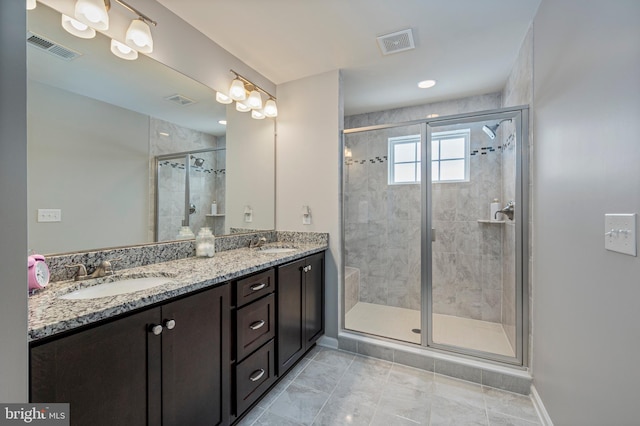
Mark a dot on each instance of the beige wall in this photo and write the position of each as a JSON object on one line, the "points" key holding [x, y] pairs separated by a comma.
{"points": [[308, 169], [586, 156], [13, 207]]}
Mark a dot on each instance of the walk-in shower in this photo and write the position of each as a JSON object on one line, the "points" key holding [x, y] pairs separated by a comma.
{"points": [[187, 184], [425, 262]]}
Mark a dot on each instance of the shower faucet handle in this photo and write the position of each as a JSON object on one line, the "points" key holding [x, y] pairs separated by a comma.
{"points": [[508, 210]]}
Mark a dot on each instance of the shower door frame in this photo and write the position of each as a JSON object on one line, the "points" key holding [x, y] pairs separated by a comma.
{"points": [[520, 114]]}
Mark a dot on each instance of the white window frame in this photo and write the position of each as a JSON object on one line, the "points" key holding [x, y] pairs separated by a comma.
{"points": [[453, 134], [398, 140]]}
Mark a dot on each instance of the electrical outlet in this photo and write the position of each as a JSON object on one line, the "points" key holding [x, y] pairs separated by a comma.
{"points": [[49, 215], [620, 233]]}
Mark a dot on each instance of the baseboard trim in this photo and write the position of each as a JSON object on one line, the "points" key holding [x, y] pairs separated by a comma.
{"points": [[539, 406], [328, 342]]}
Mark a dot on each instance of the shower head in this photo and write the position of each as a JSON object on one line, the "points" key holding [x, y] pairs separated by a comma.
{"points": [[491, 130], [198, 162]]}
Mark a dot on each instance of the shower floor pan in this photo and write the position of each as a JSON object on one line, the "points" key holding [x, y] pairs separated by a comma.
{"points": [[398, 323]]}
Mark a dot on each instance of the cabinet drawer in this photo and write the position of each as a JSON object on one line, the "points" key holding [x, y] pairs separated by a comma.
{"points": [[254, 376], [254, 287], [255, 325]]}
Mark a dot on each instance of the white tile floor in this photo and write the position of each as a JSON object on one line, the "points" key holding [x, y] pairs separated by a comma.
{"points": [[398, 323], [330, 387]]}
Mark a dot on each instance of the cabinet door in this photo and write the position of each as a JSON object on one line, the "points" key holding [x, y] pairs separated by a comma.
{"points": [[101, 372], [291, 344], [195, 359], [314, 299]]}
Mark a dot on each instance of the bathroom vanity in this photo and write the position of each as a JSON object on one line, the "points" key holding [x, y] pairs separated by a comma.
{"points": [[201, 349]]}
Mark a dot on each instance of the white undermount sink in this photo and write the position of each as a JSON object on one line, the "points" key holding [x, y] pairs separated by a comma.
{"points": [[114, 288], [275, 250]]}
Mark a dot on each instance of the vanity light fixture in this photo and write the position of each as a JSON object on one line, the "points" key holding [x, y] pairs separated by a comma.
{"points": [[123, 51], [138, 36], [248, 97], [31, 4], [77, 28], [93, 13]]}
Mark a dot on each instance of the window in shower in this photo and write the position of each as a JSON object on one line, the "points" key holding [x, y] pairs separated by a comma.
{"points": [[450, 156], [404, 159]]}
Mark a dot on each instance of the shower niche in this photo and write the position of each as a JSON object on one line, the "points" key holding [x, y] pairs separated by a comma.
{"points": [[426, 263], [188, 184]]}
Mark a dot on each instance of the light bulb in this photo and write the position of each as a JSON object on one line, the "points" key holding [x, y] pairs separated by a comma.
{"points": [[271, 109], [237, 91], [138, 36], [255, 100], [77, 28]]}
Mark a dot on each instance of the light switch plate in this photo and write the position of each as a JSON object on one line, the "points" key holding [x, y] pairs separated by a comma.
{"points": [[620, 233]]}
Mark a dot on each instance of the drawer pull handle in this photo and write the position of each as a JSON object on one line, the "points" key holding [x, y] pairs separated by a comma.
{"points": [[170, 324], [256, 325], [156, 329], [256, 375], [257, 287]]}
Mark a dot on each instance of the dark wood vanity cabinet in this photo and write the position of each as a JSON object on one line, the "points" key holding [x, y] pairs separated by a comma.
{"points": [[165, 365], [300, 308]]}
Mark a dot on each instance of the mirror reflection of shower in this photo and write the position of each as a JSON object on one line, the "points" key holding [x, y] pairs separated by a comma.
{"points": [[198, 162], [491, 130]]}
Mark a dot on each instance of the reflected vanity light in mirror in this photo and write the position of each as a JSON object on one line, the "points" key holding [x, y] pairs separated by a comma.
{"points": [[257, 115], [123, 51], [93, 13], [77, 28], [223, 99], [241, 107], [139, 36]]}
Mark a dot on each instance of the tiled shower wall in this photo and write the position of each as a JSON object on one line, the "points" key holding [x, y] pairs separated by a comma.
{"points": [[208, 181], [382, 222]]}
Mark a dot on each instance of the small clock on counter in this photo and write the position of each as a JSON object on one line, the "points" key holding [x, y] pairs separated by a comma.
{"points": [[38, 272]]}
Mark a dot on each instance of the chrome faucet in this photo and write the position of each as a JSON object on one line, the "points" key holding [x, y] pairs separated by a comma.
{"points": [[508, 210], [257, 242]]}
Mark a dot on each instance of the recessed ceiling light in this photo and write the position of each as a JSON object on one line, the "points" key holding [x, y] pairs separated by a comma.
{"points": [[223, 122], [425, 84], [433, 115], [163, 134]]}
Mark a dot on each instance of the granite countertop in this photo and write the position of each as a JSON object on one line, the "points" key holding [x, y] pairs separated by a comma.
{"points": [[49, 315]]}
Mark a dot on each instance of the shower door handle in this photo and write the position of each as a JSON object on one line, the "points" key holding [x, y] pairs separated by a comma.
{"points": [[433, 235]]}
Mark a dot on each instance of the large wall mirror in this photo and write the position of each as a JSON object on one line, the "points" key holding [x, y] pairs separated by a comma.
{"points": [[109, 140]]}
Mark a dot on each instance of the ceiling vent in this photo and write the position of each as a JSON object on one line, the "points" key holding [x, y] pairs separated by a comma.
{"points": [[396, 42], [180, 100], [51, 47]]}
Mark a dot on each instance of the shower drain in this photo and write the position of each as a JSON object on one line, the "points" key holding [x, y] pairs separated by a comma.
{"points": [[416, 330]]}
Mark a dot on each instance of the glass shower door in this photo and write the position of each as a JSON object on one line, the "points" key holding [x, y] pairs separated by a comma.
{"points": [[475, 284], [382, 238]]}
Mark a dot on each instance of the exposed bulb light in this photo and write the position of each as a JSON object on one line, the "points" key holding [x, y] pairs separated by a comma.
{"points": [[123, 51], [31, 4], [242, 107], [255, 100], [257, 114], [271, 109], [93, 13], [237, 91], [77, 28], [138, 36], [425, 84], [222, 98]]}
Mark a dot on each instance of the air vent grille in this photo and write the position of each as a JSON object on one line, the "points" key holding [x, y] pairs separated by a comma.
{"points": [[396, 42], [180, 100], [51, 47]]}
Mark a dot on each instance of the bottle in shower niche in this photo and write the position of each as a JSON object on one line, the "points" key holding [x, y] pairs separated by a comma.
{"points": [[205, 243], [493, 208]]}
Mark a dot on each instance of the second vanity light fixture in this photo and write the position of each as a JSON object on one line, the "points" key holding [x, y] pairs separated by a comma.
{"points": [[247, 96], [92, 15]]}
